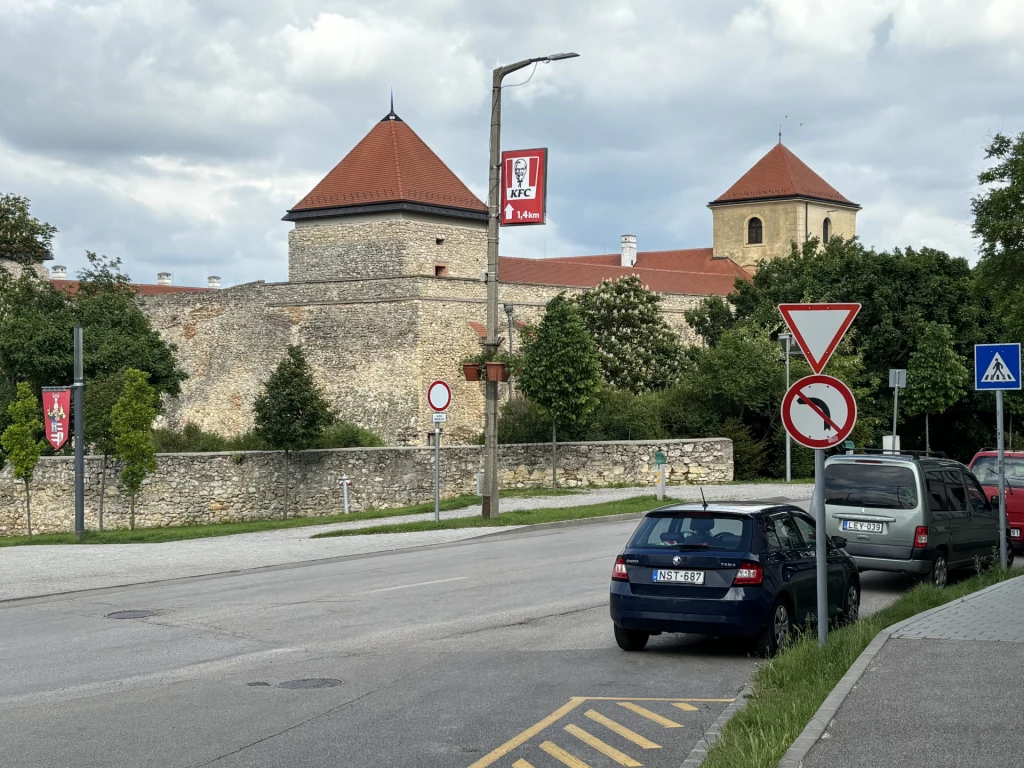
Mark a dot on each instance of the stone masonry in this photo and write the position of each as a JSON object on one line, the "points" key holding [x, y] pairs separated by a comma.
{"points": [[227, 487]]}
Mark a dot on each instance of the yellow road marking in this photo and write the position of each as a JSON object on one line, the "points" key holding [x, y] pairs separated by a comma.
{"points": [[521, 764], [643, 712], [686, 707], [622, 730], [562, 756], [605, 749], [529, 733]]}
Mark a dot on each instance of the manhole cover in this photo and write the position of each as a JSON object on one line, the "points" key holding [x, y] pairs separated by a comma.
{"points": [[311, 682], [130, 614]]}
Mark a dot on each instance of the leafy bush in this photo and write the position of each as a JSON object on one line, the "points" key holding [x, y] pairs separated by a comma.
{"points": [[521, 421], [342, 434], [192, 439], [748, 454]]}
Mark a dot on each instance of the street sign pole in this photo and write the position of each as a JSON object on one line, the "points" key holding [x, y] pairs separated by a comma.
{"points": [[437, 472], [789, 440], [820, 543], [79, 407], [1002, 478]]}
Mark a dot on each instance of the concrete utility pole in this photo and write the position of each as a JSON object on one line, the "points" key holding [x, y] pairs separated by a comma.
{"points": [[490, 499], [78, 406]]}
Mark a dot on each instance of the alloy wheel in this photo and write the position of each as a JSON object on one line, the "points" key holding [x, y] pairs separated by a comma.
{"points": [[852, 603], [940, 572], [780, 625]]}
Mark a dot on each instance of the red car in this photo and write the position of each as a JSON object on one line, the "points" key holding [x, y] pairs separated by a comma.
{"points": [[986, 469]]}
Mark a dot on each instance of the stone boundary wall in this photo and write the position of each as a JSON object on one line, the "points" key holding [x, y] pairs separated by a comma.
{"points": [[190, 488]]}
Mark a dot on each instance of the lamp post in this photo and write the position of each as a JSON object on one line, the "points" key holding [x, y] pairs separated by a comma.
{"points": [[509, 309], [490, 499]]}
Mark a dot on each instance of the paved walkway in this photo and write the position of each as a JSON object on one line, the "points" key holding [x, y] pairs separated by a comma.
{"points": [[943, 691], [44, 570]]}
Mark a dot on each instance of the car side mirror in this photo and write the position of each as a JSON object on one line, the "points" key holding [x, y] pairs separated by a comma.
{"points": [[839, 541]]}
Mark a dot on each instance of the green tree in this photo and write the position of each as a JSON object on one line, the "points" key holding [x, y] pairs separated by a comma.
{"points": [[710, 319], [23, 238], [101, 394], [21, 440], [291, 412], [638, 350], [561, 370], [132, 429], [936, 375]]}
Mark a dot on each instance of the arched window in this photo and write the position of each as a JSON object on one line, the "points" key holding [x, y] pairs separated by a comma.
{"points": [[826, 230], [755, 231]]}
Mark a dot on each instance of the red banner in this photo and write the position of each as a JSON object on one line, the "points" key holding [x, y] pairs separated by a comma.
{"points": [[56, 407], [524, 187]]}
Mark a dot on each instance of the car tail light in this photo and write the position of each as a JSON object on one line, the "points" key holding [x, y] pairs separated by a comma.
{"points": [[749, 574], [921, 537], [619, 571]]}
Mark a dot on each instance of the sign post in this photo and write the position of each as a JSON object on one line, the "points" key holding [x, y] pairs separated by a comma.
{"points": [[79, 405], [439, 397], [819, 412], [660, 462], [997, 367], [897, 380]]}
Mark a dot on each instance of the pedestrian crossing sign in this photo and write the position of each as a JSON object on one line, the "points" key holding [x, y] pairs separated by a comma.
{"points": [[997, 366]]}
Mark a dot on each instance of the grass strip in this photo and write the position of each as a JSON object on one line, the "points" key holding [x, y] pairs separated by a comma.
{"points": [[186, 532], [521, 517], [789, 689]]}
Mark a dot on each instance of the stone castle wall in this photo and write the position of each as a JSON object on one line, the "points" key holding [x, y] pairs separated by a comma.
{"points": [[225, 487]]}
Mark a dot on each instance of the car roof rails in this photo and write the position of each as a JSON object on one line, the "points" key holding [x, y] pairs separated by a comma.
{"points": [[906, 452]]}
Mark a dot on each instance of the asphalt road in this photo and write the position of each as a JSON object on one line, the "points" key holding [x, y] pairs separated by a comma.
{"points": [[445, 657]]}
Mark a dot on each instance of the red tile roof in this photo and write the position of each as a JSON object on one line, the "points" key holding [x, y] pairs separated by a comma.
{"points": [[391, 164], [71, 286], [780, 173], [690, 271]]}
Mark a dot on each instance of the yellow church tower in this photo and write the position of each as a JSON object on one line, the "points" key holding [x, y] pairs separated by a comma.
{"points": [[778, 202]]}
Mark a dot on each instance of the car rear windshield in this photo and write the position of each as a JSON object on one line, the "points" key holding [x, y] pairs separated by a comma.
{"points": [[986, 469], [699, 531], [870, 485]]}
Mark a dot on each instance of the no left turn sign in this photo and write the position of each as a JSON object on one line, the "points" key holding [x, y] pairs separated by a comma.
{"points": [[819, 411]]}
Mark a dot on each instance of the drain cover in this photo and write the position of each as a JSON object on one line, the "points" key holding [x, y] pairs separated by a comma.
{"points": [[311, 682], [130, 614], [256, 685]]}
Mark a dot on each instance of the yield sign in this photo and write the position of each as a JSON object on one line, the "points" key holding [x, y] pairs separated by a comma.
{"points": [[818, 328], [819, 411]]}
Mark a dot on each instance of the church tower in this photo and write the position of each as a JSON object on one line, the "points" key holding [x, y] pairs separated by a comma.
{"points": [[390, 208], [778, 202]]}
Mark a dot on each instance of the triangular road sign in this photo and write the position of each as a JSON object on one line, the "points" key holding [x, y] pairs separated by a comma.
{"points": [[818, 328], [998, 372]]}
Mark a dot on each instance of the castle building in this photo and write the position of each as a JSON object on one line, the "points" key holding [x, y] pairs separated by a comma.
{"points": [[385, 290]]}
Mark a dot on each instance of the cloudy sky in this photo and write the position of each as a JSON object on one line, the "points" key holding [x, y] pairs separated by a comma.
{"points": [[175, 133]]}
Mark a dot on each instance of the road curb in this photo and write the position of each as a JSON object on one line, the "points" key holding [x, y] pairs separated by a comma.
{"points": [[819, 724], [700, 749], [528, 527]]}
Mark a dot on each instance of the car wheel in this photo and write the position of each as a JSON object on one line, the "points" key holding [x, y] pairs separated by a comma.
{"points": [[939, 574], [851, 603], [629, 639], [1009, 555], [779, 627]]}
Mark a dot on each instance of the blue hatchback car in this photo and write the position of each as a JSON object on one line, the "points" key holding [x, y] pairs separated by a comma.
{"points": [[730, 569]]}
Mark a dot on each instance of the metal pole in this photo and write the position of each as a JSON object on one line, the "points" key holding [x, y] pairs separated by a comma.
{"points": [[661, 481], [895, 405], [820, 546], [78, 386], [437, 472], [789, 444], [344, 492], [1002, 478]]}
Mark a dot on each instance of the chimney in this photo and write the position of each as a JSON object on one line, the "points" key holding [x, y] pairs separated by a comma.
{"points": [[58, 273], [628, 250], [164, 278], [213, 282]]}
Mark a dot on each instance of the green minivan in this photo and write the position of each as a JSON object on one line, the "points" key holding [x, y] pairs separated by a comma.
{"points": [[914, 514]]}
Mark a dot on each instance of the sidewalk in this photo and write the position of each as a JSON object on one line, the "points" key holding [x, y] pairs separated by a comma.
{"points": [[49, 569], [944, 690]]}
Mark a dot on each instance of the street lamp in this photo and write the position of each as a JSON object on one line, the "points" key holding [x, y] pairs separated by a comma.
{"points": [[509, 309], [490, 498]]}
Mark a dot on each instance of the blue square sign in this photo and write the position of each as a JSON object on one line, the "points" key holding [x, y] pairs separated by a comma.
{"points": [[997, 366]]}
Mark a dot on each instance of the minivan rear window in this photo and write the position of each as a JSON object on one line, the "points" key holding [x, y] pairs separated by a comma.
{"points": [[870, 485], [697, 532]]}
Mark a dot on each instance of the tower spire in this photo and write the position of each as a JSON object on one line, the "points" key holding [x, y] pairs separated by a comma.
{"points": [[780, 131], [391, 115]]}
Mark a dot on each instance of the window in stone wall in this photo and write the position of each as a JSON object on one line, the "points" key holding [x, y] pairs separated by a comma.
{"points": [[826, 230], [755, 231], [440, 270]]}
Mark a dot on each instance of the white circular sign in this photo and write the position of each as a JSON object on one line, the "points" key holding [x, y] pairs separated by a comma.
{"points": [[439, 395], [819, 411]]}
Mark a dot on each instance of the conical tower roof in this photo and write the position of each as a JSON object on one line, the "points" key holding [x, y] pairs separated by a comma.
{"points": [[781, 174], [390, 169]]}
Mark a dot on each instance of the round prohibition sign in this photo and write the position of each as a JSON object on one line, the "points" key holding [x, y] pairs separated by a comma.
{"points": [[819, 411], [439, 396]]}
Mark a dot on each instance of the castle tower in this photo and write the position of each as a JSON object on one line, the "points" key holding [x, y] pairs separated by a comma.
{"points": [[390, 208], [778, 202]]}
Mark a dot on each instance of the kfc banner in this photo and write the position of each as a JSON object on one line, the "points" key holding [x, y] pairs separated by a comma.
{"points": [[56, 407], [524, 187]]}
